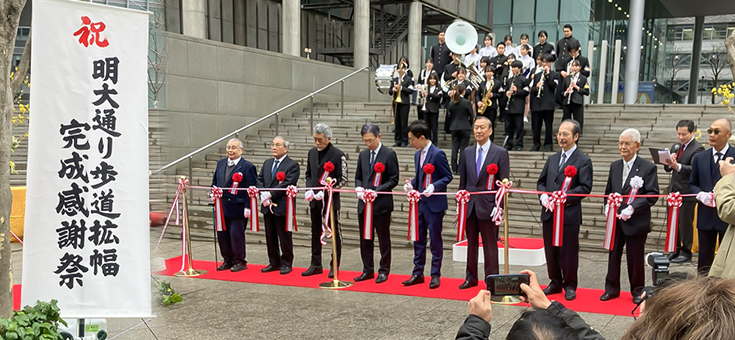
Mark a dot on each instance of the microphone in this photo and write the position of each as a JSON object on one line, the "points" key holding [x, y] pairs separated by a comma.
{"points": [[676, 148]]}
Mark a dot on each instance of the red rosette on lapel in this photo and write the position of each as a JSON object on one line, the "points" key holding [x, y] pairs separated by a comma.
{"points": [[280, 177], [379, 169], [428, 170], [492, 170], [328, 168], [569, 172], [236, 179]]}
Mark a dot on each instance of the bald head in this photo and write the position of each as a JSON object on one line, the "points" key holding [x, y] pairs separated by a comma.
{"points": [[719, 133], [724, 123]]}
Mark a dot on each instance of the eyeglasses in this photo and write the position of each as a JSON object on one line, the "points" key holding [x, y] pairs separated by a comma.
{"points": [[713, 131], [625, 144]]}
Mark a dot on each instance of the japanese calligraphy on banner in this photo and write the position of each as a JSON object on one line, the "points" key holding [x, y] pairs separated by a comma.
{"points": [[87, 237]]}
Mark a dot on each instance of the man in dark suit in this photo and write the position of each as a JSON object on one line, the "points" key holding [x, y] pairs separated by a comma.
{"points": [[474, 178], [274, 205], [543, 87], [516, 91], [634, 220], [680, 167], [376, 153], [232, 239], [562, 262], [440, 54], [431, 208], [402, 88], [318, 156], [705, 174]]}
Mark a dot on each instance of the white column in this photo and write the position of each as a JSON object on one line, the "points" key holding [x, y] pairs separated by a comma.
{"points": [[590, 56], [194, 18], [361, 16], [291, 27], [414, 37], [633, 53], [616, 71], [603, 72]]}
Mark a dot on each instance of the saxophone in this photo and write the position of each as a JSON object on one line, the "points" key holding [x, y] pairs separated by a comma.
{"points": [[486, 101]]}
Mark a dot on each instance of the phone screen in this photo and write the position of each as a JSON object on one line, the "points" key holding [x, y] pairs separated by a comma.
{"points": [[506, 284]]}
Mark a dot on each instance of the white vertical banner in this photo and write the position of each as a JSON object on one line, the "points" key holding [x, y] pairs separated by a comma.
{"points": [[86, 227]]}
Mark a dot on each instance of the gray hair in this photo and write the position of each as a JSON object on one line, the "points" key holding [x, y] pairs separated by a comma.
{"points": [[323, 129], [242, 146], [576, 128], [633, 134], [286, 143]]}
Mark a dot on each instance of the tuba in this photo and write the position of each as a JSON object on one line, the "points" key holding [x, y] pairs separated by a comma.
{"points": [[461, 38]]}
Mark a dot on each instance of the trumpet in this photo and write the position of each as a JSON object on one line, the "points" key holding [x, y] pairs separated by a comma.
{"points": [[486, 101], [512, 80], [424, 88], [541, 81]]}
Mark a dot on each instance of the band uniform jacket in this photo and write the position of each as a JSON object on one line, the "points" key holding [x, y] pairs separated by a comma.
{"points": [[233, 205], [584, 65], [518, 103], [365, 177], [500, 62], [704, 176], [441, 56], [562, 55], [546, 102], [680, 179], [481, 93], [448, 70], [552, 179], [434, 98], [440, 178], [640, 222], [467, 88], [406, 88], [468, 180], [315, 169], [545, 48], [461, 115], [424, 78], [577, 96], [278, 197]]}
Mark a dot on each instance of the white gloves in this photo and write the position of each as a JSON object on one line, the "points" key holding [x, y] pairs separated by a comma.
{"points": [[407, 187], [309, 195], [319, 196], [429, 190], [525, 119], [706, 198], [607, 208], [626, 213], [247, 212], [360, 192], [265, 198], [544, 200]]}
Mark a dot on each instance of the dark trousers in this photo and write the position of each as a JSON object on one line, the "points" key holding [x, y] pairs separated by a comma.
{"points": [[460, 140], [401, 123], [420, 113], [477, 227], [431, 223], [634, 254], [232, 240], [491, 114], [432, 119], [381, 227], [316, 233], [514, 129], [545, 118], [685, 230], [707, 243], [275, 231], [562, 262], [574, 111]]}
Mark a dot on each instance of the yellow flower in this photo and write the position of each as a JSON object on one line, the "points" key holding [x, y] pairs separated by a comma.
{"points": [[26, 135], [725, 102]]}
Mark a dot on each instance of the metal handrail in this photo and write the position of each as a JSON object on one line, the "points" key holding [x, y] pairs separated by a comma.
{"points": [[274, 113]]}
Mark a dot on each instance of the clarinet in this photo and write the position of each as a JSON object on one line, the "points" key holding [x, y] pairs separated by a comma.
{"points": [[542, 80], [512, 80], [572, 81]]}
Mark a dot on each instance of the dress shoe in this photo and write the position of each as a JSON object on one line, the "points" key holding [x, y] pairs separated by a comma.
{"points": [[552, 290], [381, 278], [397, 145], [570, 295], [518, 148], [224, 266], [414, 280], [313, 270], [270, 268], [681, 259], [608, 296], [637, 299], [364, 277], [435, 282], [331, 273], [467, 284], [239, 267], [285, 270], [548, 148], [672, 256], [535, 148], [508, 147]]}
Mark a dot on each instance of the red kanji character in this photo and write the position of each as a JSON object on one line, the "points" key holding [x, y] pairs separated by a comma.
{"points": [[95, 30]]}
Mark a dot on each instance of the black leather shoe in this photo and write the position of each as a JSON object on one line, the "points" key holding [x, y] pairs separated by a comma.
{"points": [[681, 259], [518, 148], [313, 270], [224, 266], [608, 296], [270, 268], [467, 284], [239, 267], [552, 290], [637, 299], [672, 256], [331, 273], [548, 148], [414, 280], [364, 277], [535, 148], [397, 145], [381, 278], [570, 295], [435, 282], [286, 270]]}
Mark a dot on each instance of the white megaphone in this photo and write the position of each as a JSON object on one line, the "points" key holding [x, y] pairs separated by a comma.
{"points": [[461, 37]]}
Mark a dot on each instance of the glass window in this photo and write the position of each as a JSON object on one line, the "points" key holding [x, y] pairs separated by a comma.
{"points": [[546, 13], [523, 12], [688, 34], [501, 13]]}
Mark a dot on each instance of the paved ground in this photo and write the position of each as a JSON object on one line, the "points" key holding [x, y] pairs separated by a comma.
{"points": [[234, 310]]}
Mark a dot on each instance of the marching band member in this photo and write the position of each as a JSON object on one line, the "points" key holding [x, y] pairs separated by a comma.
{"points": [[516, 90], [543, 47], [488, 91], [574, 88], [434, 95], [500, 61], [524, 41], [488, 50], [421, 85], [509, 49], [471, 58], [543, 88], [562, 54], [440, 54], [402, 88], [460, 113]]}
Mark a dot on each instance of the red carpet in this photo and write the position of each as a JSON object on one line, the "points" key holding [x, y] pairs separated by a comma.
{"points": [[16, 297], [588, 300]]}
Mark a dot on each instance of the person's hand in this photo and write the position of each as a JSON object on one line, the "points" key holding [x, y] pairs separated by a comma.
{"points": [[672, 163], [309, 195], [265, 195], [706, 198], [726, 168], [319, 196], [544, 200], [429, 190], [534, 294], [513, 88], [480, 104], [407, 187], [246, 213], [539, 85], [626, 213], [359, 191], [508, 93], [547, 68], [451, 93], [266, 202], [564, 74], [490, 95], [481, 306], [454, 74], [525, 118]]}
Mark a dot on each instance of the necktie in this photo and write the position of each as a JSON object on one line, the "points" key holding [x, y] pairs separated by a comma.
{"points": [[478, 163], [563, 161], [423, 158], [719, 157], [273, 171], [626, 170], [372, 159], [681, 151]]}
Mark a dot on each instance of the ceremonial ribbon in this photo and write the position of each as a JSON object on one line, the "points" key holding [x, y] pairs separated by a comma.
{"points": [[635, 184], [17, 238], [326, 228], [254, 223], [291, 193], [236, 178], [497, 213], [462, 197], [674, 203], [379, 168], [219, 215], [413, 215], [614, 201], [556, 204], [183, 182], [368, 196], [491, 169]]}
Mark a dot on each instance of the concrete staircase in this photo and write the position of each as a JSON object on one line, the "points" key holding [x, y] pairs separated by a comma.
{"points": [[603, 124]]}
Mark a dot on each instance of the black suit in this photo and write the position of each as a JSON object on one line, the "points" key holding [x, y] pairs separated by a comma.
{"points": [[401, 114], [275, 221], [232, 239], [480, 207], [461, 117], [562, 262], [633, 232], [542, 107], [514, 119], [544, 48], [680, 183], [573, 104], [382, 206], [431, 115], [492, 111], [441, 56], [562, 55]]}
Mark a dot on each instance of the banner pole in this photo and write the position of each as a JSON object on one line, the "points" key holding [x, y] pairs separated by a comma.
{"points": [[191, 272], [335, 283]]}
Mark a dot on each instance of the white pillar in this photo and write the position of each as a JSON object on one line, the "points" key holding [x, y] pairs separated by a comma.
{"points": [[603, 72], [361, 16], [291, 27], [414, 37], [590, 55], [194, 18], [616, 71], [633, 53]]}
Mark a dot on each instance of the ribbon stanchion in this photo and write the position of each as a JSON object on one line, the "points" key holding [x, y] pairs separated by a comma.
{"points": [[505, 185], [368, 197], [503, 190], [186, 256], [413, 197], [291, 193], [335, 283], [254, 223], [462, 197], [326, 227], [614, 202], [183, 183], [674, 202]]}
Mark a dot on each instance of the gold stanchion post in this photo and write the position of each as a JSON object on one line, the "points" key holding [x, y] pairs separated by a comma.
{"points": [[191, 272], [505, 300], [335, 283]]}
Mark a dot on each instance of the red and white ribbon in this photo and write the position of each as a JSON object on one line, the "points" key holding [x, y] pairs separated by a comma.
{"points": [[254, 223], [674, 202], [291, 193], [635, 184], [326, 228], [556, 204], [614, 201], [219, 214], [368, 196], [236, 178], [183, 183], [462, 197], [497, 214], [413, 215]]}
